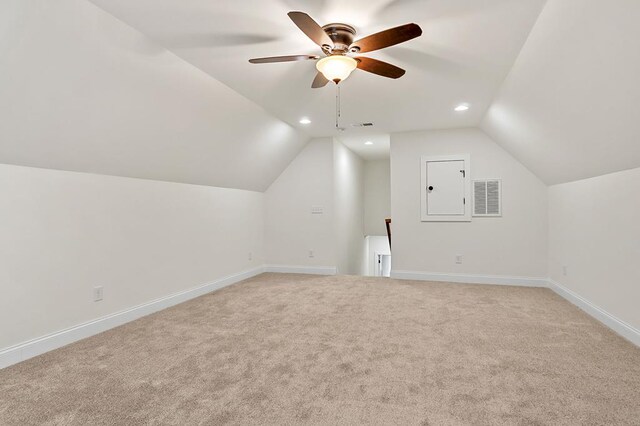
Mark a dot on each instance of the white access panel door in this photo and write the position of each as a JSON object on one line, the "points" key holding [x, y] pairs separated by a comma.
{"points": [[445, 189]]}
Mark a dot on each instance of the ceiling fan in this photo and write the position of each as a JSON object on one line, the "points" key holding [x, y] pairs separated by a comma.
{"points": [[336, 41]]}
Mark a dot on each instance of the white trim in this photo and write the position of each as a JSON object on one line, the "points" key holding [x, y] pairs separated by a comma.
{"points": [[625, 330], [424, 216], [313, 270], [38, 346], [622, 328], [470, 279], [26, 350]]}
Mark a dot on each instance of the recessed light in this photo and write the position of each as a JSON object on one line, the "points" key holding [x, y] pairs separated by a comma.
{"points": [[305, 120], [368, 143], [461, 107]]}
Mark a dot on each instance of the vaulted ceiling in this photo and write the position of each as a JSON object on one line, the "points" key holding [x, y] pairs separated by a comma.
{"points": [[464, 54], [570, 107], [83, 91], [165, 91]]}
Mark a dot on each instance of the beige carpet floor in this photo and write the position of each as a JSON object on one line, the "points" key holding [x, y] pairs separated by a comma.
{"points": [[295, 349]]}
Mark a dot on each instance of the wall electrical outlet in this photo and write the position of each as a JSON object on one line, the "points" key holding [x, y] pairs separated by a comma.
{"points": [[97, 293], [459, 259], [311, 253], [564, 270], [250, 256]]}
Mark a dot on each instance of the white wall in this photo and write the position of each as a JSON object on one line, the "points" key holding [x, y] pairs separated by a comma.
{"points": [[325, 174], [377, 196], [62, 233], [349, 210], [594, 231], [290, 228], [569, 107], [513, 245], [81, 90]]}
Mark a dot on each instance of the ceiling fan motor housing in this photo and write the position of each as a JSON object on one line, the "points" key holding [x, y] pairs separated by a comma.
{"points": [[342, 54], [342, 36]]}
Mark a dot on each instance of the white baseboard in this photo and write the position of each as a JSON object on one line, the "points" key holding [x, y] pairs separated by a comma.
{"points": [[470, 278], [314, 270], [622, 328], [29, 349], [26, 350]]}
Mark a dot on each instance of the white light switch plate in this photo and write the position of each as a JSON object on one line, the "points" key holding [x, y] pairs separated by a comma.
{"points": [[97, 293]]}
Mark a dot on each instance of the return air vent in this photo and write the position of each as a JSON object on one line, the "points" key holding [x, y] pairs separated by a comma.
{"points": [[487, 197]]}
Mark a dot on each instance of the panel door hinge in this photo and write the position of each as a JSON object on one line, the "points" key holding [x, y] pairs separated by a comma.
{"points": [[464, 200], [464, 173]]}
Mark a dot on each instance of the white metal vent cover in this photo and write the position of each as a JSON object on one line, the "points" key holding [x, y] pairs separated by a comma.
{"points": [[487, 197]]}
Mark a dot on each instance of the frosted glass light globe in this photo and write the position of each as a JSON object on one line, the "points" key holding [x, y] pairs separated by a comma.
{"points": [[336, 67]]}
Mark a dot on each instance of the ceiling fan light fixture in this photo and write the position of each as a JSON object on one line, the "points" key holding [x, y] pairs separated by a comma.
{"points": [[336, 68]]}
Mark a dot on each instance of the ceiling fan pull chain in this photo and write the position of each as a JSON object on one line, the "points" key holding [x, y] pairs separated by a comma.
{"points": [[337, 105]]}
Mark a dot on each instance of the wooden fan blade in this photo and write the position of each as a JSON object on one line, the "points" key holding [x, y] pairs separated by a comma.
{"points": [[388, 38], [311, 28], [291, 58], [378, 67], [319, 81]]}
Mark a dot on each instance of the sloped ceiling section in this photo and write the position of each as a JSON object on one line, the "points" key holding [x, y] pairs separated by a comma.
{"points": [[466, 50], [82, 91], [570, 107]]}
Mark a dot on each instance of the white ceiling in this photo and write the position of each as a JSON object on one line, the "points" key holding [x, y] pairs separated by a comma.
{"points": [[465, 52], [379, 148], [82, 91], [570, 108], [112, 101]]}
